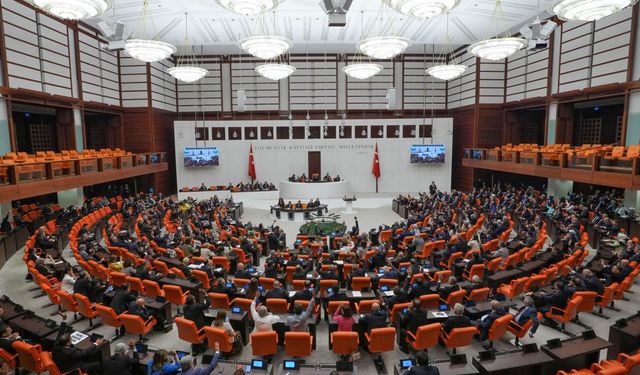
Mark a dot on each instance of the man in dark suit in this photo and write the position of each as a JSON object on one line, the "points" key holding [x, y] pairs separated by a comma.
{"points": [[304, 294], [241, 273], [330, 274], [142, 271], [379, 259], [7, 337], [446, 289], [69, 358], [121, 299], [277, 292], [486, 321], [525, 313], [137, 307], [184, 267], [415, 318], [591, 282], [558, 298], [121, 362], [221, 287], [376, 319], [195, 311], [419, 288], [423, 367], [457, 320], [399, 296], [336, 294]]}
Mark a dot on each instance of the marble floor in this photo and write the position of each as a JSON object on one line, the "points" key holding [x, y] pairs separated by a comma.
{"points": [[372, 211]]}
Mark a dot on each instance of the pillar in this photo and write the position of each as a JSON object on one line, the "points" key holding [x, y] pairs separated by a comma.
{"points": [[632, 199], [633, 121], [552, 117], [77, 128], [71, 197], [559, 188]]}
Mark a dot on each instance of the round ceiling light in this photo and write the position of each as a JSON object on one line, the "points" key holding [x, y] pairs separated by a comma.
{"points": [[187, 73], [74, 9], [446, 72], [383, 47], [424, 9], [249, 7], [275, 71], [362, 70], [148, 50], [265, 47], [587, 10], [496, 48]]}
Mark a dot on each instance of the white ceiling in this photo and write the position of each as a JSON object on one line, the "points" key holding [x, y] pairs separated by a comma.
{"points": [[304, 22]]}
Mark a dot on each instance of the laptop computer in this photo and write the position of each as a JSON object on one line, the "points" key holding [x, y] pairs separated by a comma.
{"points": [[406, 363]]}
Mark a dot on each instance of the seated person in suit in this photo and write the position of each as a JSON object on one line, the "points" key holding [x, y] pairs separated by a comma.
{"points": [[69, 358], [557, 298], [423, 367], [525, 313], [194, 311], [335, 294], [418, 288], [476, 283], [298, 204], [138, 307], [221, 287], [377, 318], [446, 289], [416, 318], [241, 272], [399, 296], [486, 321], [122, 361], [277, 292], [7, 337], [591, 282], [304, 294], [457, 320], [331, 273], [121, 298]]}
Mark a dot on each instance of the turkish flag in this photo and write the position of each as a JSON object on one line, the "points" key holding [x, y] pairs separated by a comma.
{"points": [[252, 167], [375, 169]]}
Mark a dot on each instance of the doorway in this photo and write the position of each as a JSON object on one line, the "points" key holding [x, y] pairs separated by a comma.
{"points": [[314, 163]]}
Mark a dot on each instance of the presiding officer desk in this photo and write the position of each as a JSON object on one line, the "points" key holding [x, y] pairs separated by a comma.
{"points": [[314, 369], [313, 190]]}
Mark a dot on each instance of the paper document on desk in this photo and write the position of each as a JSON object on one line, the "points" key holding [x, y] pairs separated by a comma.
{"points": [[440, 314], [77, 337], [292, 293], [389, 293], [195, 266], [338, 262], [356, 293]]}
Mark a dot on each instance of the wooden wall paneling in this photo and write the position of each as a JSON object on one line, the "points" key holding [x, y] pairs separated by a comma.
{"points": [[250, 132], [261, 93], [565, 123], [136, 130], [377, 131], [65, 129], [218, 133], [393, 131], [462, 91], [575, 56], [266, 132], [53, 40], [315, 83], [330, 132], [165, 181], [21, 43], [235, 133], [489, 127], [420, 89], [463, 124]]}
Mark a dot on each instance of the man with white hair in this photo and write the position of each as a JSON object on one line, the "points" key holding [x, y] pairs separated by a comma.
{"points": [[121, 362], [188, 364], [264, 320]]}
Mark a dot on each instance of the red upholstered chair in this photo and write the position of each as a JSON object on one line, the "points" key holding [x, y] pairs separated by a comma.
{"points": [[364, 306], [513, 289], [360, 283], [152, 289], [454, 297], [479, 295], [425, 337], [344, 343], [566, 315], [219, 301], [134, 324], [50, 365], [499, 328], [519, 331], [10, 359], [109, 317], [68, 303], [85, 308], [277, 305], [215, 334], [29, 356], [298, 344], [458, 337], [264, 343], [188, 331], [175, 295], [381, 340]]}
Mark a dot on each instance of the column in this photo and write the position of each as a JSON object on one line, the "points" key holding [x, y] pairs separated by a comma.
{"points": [[631, 198], [633, 121], [552, 116], [559, 188], [71, 197]]}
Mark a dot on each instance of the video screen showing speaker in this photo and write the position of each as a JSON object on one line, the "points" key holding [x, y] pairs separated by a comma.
{"points": [[427, 154], [201, 157]]}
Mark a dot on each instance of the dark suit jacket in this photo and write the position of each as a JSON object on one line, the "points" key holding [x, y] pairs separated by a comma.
{"points": [[419, 290], [446, 289], [82, 286], [374, 320], [118, 364], [304, 294], [5, 343], [121, 300], [134, 309], [70, 358], [415, 319], [455, 321], [195, 312], [493, 315], [277, 293], [244, 274], [423, 370]]}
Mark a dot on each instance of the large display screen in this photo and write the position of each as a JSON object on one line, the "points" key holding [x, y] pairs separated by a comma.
{"points": [[427, 154], [201, 157]]}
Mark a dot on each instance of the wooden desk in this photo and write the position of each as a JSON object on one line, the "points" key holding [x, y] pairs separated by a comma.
{"points": [[624, 340], [34, 328], [364, 296], [576, 353], [187, 285], [239, 322], [532, 266], [483, 308], [445, 368], [503, 277], [9, 311], [515, 362]]}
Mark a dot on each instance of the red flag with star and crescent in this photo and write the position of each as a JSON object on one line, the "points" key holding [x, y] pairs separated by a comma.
{"points": [[252, 167], [376, 163]]}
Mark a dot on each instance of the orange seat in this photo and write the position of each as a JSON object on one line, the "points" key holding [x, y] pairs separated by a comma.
{"points": [[332, 306], [267, 282], [10, 359], [397, 308], [188, 331], [134, 324], [425, 253], [430, 301], [588, 300], [219, 301], [606, 298], [381, 339], [360, 283], [175, 295], [476, 270], [277, 305], [50, 365], [628, 362], [454, 297], [566, 315], [344, 343], [85, 308], [67, 302], [519, 331], [135, 284], [215, 334], [264, 343], [514, 289], [479, 295], [203, 277], [298, 344], [29, 356], [109, 317], [152, 289], [458, 337], [498, 328], [364, 306], [425, 337]]}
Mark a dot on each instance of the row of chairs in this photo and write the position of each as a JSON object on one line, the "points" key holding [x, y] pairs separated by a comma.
{"points": [[32, 358], [623, 364]]}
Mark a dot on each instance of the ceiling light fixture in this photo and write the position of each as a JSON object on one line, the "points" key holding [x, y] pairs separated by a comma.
{"points": [[396, 133], [266, 47], [587, 10], [424, 9], [361, 69], [275, 71], [447, 70], [269, 134], [497, 48], [148, 50], [249, 7], [187, 69], [74, 9], [382, 47]]}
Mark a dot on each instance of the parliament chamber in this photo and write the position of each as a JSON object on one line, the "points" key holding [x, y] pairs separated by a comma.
{"points": [[287, 187]]}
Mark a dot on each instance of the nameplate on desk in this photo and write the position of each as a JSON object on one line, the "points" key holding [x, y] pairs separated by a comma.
{"points": [[195, 266], [338, 262], [77, 336], [292, 293], [389, 293], [440, 314], [356, 293]]}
